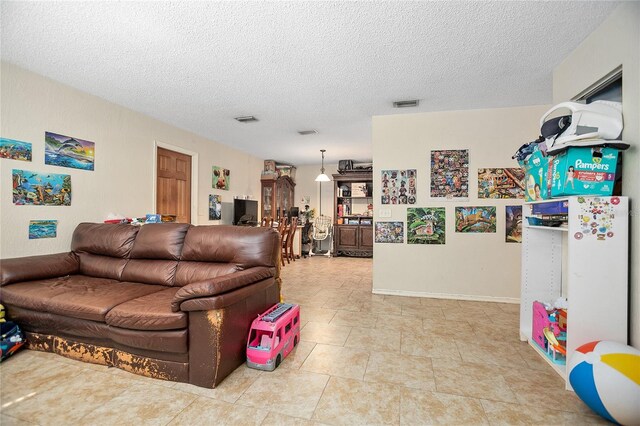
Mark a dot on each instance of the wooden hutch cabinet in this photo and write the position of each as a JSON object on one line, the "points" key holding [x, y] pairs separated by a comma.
{"points": [[277, 196], [353, 215]]}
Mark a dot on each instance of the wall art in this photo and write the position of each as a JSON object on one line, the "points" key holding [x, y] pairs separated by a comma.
{"points": [[390, 232], [215, 207], [476, 219], [15, 150], [65, 151], [220, 178], [426, 225], [43, 229], [596, 217], [501, 183], [41, 189], [399, 186], [450, 173], [513, 224]]}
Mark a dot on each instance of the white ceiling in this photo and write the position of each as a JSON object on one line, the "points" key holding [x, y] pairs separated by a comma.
{"points": [[298, 65]]}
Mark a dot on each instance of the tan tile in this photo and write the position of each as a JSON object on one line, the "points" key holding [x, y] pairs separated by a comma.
{"points": [[337, 361], [59, 404], [325, 333], [410, 371], [292, 392], [349, 402], [297, 356], [447, 329], [148, 404], [12, 421], [502, 413], [429, 312], [210, 411], [489, 352], [354, 319], [231, 387], [277, 419], [418, 407], [403, 300], [380, 307], [439, 303], [315, 314], [470, 379], [374, 339], [423, 344], [143, 379], [399, 323], [470, 316]]}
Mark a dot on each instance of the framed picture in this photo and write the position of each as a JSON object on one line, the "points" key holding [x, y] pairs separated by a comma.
{"points": [[65, 151], [220, 178]]}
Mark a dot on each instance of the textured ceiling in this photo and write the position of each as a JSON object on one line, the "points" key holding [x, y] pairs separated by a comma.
{"points": [[298, 65]]}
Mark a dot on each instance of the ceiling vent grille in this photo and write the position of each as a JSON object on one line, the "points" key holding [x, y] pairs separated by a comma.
{"points": [[307, 132], [246, 119], [406, 104]]}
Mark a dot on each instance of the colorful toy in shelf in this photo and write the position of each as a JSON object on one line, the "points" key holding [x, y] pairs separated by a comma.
{"points": [[540, 322], [273, 336], [556, 347], [606, 376]]}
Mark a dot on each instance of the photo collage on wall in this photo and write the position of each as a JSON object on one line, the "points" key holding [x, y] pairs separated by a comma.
{"points": [[501, 183], [390, 232], [450, 173], [399, 186], [215, 207], [426, 225], [481, 219]]}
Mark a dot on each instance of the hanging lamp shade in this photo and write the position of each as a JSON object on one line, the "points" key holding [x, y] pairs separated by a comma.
{"points": [[322, 177]]}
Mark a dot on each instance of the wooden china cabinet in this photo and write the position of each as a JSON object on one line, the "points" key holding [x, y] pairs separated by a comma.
{"points": [[353, 215], [277, 196]]}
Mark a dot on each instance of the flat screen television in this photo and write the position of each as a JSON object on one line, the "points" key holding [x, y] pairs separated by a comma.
{"points": [[245, 212]]}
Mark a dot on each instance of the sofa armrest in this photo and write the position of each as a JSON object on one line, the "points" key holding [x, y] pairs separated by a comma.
{"points": [[220, 285], [38, 267]]}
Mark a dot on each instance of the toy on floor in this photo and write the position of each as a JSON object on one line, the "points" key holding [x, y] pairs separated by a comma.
{"points": [[547, 332], [606, 376], [273, 336], [11, 337]]}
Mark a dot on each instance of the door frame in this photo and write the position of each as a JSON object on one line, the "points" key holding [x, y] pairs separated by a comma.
{"points": [[194, 176]]}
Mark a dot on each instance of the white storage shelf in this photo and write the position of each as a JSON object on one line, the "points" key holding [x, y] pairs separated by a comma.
{"points": [[594, 267]]}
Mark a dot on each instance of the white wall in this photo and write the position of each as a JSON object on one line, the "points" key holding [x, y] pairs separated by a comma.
{"points": [[616, 42], [123, 180], [471, 266]]}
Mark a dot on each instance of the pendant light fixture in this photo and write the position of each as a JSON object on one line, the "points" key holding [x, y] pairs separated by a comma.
{"points": [[322, 177]]}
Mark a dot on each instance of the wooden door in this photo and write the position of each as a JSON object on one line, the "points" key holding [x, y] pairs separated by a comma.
{"points": [[174, 185]]}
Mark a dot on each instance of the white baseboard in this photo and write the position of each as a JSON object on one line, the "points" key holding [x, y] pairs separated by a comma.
{"points": [[446, 296]]}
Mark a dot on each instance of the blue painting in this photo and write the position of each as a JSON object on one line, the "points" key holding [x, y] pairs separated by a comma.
{"points": [[66, 151], [215, 207], [43, 229], [41, 189], [15, 150]]}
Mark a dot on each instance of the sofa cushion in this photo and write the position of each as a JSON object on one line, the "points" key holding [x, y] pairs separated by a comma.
{"points": [[150, 312], [157, 340], [101, 266], [159, 241], [241, 245], [115, 240], [36, 295], [150, 271], [191, 272], [94, 298]]}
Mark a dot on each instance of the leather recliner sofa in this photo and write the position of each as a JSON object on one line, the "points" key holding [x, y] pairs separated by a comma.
{"points": [[170, 301]]}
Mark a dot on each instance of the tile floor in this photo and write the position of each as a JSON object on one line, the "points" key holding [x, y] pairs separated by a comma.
{"points": [[363, 359]]}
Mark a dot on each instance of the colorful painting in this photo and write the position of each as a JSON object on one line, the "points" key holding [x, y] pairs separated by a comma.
{"points": [[15, 150], [390, 232], [43, 229], [513, 224], [426, 225], [65, 151], [215, 207], [220, 178], [41, 189], [476, 219], [501, 183], [450, 173], [399, 186]]}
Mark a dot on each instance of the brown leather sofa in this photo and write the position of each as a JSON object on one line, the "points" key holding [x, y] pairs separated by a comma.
{"points": [[170, 301]]}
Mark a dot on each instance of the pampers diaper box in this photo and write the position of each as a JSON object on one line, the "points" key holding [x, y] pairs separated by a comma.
{"points": [[537, 176], [584, 171]]}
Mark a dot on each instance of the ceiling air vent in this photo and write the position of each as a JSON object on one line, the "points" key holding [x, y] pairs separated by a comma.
{"points": [[406, 104], [307, 132], [246, 119]]}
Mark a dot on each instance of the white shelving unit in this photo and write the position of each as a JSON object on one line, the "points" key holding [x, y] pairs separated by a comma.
{"points": [[589, 268]]}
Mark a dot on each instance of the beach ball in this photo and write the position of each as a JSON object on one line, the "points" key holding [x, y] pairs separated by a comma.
{"points": [[606, 376]]}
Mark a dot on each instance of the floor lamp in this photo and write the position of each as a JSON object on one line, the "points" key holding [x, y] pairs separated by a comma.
{"points": [[322, 177]]}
